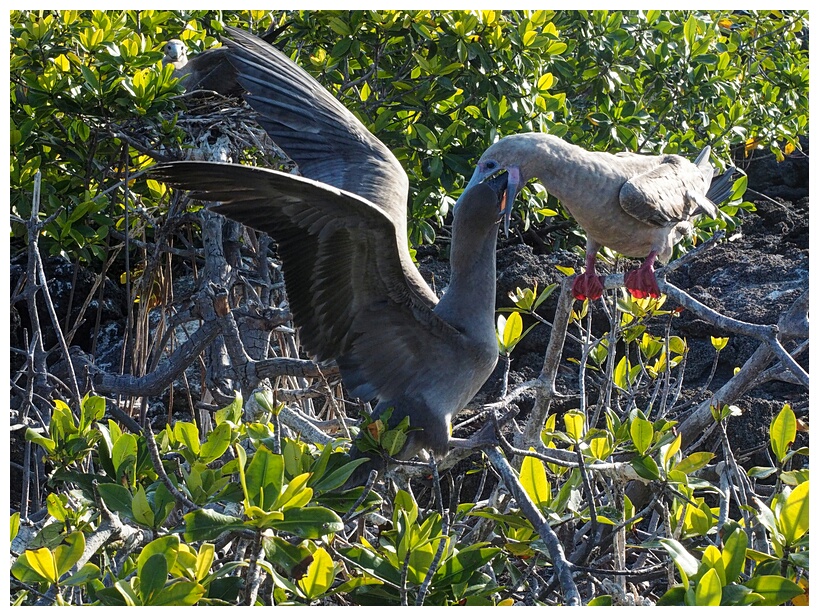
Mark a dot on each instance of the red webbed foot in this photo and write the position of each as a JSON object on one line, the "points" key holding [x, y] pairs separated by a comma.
{"points": [[642, 283], [587, 286]]}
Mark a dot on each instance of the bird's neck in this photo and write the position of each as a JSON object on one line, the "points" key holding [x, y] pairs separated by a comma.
{"points": [[566, 171], [469, 302]]}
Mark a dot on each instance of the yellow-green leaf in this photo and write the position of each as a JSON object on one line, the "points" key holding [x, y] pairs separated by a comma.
{"points": [[42, 562], [512, 330], [713, 559], [545, 82], [733, 554], [709, 589], [204, 559], [319, 576], [793, 518], [534, 481], [642, 433], [574, 421], [783, 432], [67, 555], [601, 447], [671, 449], [719, 343]]}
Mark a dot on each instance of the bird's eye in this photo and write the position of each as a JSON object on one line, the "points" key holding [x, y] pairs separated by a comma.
{"points": [[490, 164]]}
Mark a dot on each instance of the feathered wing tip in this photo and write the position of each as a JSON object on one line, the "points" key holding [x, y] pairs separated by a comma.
{"points": [[722, 186]]}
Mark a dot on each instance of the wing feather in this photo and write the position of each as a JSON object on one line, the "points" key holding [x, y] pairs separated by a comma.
{"points": [[670, 193]]}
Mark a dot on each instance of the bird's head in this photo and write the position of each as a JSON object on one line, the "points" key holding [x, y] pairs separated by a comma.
{"points": [[498, 158], [175, 51], [483, 202]]}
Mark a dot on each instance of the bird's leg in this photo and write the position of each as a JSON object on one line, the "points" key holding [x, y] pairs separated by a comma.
{"points": [[642, 282], [589, 285]]}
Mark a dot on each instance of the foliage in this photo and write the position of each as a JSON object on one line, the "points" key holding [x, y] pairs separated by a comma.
{"points": [[717, 578], [205, 516], [290, 503]]}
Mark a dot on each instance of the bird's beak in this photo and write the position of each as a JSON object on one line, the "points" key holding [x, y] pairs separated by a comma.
{"points": [[477, 178], [512, 189]]}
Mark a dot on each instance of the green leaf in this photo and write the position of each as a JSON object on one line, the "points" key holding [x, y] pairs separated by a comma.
{"points": [[92, 409], [127, 591], [187, 434], [152, 577], [686, 564], [232, 412], [426, 135], [116, 497], [36, 438], [694, 462], [167, 546], [534, 481], [264, 477], [733, 554], [67, 555], [393, 441], [690, 31], [774, 589], [56, 508], [336, 478], [642, 433], [319, 577], [23, 571], [206, 524], [143, 514], [605, 600], [709, 589], [180, 593], [793, 517], [783, 432], [309, 522], [88, 572], [621, 373], [372, 563], [124, 454], [461, 566], [296, 494], [216, 444], [14, 523]]}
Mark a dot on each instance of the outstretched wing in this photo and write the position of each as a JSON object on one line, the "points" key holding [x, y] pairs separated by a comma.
{"points": [[327, 141], [348, 290]]}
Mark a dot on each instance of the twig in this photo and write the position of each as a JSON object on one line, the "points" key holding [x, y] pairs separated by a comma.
{"points": [[433, 566], [562, 567], [545, 389]]}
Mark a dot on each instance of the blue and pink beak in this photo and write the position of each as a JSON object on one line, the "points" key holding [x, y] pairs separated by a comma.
{"points": [[513, 186]]}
